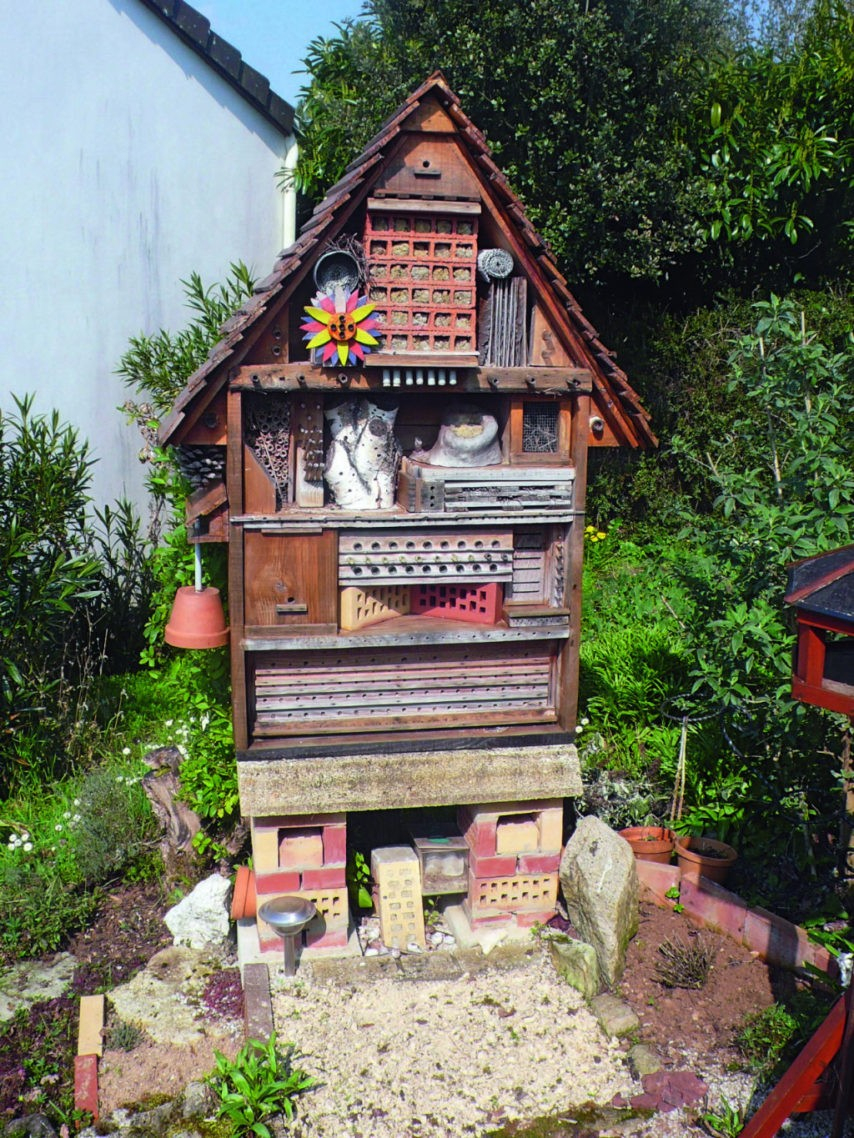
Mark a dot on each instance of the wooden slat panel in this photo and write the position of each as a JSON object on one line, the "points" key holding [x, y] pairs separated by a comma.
{"points": [[366, 690]]}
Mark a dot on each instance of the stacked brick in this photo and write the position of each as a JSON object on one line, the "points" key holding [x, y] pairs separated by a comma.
{"points": [[514, 858], [304, 856], [396, 871]]}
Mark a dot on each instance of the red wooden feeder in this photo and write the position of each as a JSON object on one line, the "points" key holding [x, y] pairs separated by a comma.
{"points": [[822, 591]]}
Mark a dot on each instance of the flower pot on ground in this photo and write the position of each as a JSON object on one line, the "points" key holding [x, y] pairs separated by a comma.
{"points": [[650, 843], [705, 857]]}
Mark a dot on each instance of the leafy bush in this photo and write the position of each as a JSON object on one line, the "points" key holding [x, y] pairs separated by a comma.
{"points": [[117, 826], [765, 1036], [258, 1085]]}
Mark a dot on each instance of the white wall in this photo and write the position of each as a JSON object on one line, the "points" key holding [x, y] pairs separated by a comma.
{"points": [[127, 164]]}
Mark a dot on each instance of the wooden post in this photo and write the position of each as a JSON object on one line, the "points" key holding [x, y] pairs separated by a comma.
{"points": [[235, 571], [568, 666]]}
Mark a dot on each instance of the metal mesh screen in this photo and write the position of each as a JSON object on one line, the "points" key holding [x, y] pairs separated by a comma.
{"points": [[539, 428]]}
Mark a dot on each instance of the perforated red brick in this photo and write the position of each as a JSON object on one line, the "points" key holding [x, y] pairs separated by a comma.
{"points": [[476, 604]]}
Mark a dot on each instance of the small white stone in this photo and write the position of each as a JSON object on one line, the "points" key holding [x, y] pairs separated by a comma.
{"points": [[372, 952], [449, 940], [413, 947], [437, 938]]}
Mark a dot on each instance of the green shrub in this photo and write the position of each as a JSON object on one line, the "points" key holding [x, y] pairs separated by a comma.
{"points": [[116, 827], [764, 1036]]}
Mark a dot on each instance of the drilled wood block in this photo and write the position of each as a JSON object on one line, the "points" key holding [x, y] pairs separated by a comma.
{"points": [[361, 607], [397, 556], [397, 876], [512, 893], [516, 836], [90, 1040]]}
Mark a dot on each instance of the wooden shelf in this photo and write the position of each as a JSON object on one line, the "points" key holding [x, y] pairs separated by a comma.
{"points": [[401, 632], [300, 520]]}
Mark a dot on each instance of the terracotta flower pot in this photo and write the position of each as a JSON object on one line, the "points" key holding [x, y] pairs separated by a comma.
{"points": [[650, 843], [197, 619], [705, 857]]}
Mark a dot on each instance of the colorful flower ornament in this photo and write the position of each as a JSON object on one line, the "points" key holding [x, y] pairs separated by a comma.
{"points": [[342, 326]]}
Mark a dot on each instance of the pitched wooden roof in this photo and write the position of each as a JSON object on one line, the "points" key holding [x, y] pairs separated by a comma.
{"points": [[824, 584], [612, 392]]}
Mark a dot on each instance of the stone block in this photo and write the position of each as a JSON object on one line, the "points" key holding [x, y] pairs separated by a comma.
{"points": [[301, 849], [600, 885], [86, 1083], [493, 866], [576, 962], [90, 1041], [538, 863], [329, 877], [643, 1060], [713, 907], [282, 881], [615, 1017], [257, 1005], [397, 874], [656, 880], [516, 836]]}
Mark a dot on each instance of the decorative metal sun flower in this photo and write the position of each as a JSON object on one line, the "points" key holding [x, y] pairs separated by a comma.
{"points": [[341, 325]]}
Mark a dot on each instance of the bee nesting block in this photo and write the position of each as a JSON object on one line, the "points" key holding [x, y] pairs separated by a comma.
{"points": [[397, 875], [444, 863], [360, 607]]}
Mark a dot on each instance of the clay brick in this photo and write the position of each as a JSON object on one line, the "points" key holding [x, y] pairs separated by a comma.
{"points": [[528, 920], [332, 906], [257, 1006], [327, 938], [280, 882], [301, 849], [655, 880], [538, 863], [486, 918], [265, 848], [516, 836], [512, 894], [550, 826], [86, 1083], [776, 940], [479, 833], [397, 873], [89, 1038], [493, 866], [303, 821], [329, 877], [334, 844], [710, 905]]}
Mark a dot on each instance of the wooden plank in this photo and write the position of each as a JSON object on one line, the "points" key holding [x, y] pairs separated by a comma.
{"points": [[259, 493], [234, 481], [800, 1079], [90, 1039], [257, 1005], [568, 663], [287, 572], [518, 735], [307, 435], [401, 723], [438, 208], [496, 380], [419, 630], [545, 349]]}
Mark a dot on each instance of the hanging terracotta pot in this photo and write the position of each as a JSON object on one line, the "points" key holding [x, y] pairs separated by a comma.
{"points": [[197, 619], [705, 857], [650, 843]]}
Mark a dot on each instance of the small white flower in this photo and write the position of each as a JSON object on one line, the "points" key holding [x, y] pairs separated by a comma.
{"points": [[76, 802], [579, 729], [28, 846], [120, 778], [125, 750], [76, 818], [585, 721], [58, 828], [168, 722], [25, 837], [67, 815]]}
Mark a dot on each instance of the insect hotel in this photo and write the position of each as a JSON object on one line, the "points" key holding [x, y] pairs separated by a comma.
{"points": [[394, 434]]}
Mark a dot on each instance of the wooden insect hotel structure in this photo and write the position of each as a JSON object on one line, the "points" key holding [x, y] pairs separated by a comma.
{"points": [[392, 437]]}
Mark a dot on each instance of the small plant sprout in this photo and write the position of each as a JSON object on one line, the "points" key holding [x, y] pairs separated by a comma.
{"points": [[684, 965], [725, 1122], [258, 1085]]}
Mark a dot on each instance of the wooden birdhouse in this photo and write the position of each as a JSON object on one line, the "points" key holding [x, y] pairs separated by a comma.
{"points": [[403, 412], [821, 589]]}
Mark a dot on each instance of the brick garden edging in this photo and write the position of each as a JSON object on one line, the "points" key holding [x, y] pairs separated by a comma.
{"points": [[709, 905]]}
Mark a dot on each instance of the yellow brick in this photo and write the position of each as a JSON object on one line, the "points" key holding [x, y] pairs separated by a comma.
{"points": [[265, 849], [516, 836], [89, 1038], [301, 849], [550, 824], [397, 874]]}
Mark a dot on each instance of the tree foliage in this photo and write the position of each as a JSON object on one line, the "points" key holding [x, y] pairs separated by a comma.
{"points": [[587, 107]]}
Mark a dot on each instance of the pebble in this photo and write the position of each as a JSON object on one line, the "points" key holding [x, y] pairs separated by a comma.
{"points": [[437, 938]]}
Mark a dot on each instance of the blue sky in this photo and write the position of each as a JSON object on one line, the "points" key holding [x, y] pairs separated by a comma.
{"points": [[273, 35]]}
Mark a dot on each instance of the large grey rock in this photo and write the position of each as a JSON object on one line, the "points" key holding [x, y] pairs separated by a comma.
{"points": [[201, 918], [600, 885]]}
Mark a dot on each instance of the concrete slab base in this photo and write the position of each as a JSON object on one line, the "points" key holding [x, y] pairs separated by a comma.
{"points": [[249, 950]]}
